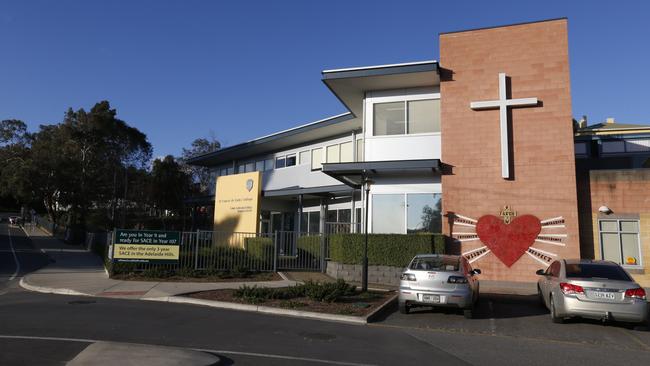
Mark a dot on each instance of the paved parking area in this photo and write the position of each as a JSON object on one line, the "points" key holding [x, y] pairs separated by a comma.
{"points": [[523, 318]]}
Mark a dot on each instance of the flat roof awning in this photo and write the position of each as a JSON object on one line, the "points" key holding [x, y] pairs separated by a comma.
{"points": [[353, 174], [323, 191]]}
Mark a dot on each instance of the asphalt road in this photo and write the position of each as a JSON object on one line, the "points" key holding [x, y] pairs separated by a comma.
{"points": [[41, 329], [17, 255]]}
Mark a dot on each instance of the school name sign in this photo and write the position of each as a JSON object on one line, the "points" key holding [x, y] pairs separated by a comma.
{"points": [[145, 246]]}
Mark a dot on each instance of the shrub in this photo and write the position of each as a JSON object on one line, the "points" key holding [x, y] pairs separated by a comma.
{"points": [[309, 246], [384, 249], [328, 291], [317, 291], [260, 249]]}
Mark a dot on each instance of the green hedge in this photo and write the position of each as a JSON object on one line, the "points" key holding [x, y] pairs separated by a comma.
{"points": [[309, 246], [384, 249], [260, 248]]}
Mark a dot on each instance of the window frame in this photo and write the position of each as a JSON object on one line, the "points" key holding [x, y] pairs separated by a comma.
{"points": [[406, 206], [312, 160], [403, 97], [618, 232]]}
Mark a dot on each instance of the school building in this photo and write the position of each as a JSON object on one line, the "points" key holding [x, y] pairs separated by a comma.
{"points": [[480, 145]]}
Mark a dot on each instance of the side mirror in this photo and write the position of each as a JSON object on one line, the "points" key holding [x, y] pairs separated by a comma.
{"points": [[476, 271], [540, 272]]}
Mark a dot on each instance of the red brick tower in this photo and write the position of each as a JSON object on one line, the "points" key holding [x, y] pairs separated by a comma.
{"points": [[536, 175]]}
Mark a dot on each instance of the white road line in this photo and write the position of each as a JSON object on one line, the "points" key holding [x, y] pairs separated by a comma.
{"points": [[13, 252], [253, 354]]}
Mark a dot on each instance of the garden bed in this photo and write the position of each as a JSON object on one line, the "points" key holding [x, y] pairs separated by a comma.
{"points": [[210, 277], [319, 300]]}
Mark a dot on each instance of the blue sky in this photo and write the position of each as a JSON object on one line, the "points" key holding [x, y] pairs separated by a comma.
{"points": [[178, 70]]}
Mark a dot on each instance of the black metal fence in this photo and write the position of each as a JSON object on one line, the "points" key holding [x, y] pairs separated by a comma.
{"points": [[259, 252]]}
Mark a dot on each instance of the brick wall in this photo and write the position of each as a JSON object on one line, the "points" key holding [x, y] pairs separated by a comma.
{"points": [[535, 57], [380, 275], [625, 192]]}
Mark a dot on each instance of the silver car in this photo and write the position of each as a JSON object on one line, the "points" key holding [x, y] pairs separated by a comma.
{"points": [[593, 289], [439, 280]]}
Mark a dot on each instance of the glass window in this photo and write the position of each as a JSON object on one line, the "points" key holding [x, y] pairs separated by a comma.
{"points": [[451, 264], [333, 154], [630, 249], [424, 213], [388, 213], [259, 165], [345, 215], [346, 152], [611, 249], [608, 226], [580, 148], [388, 119], [359, 150], [424, 116], [632, 226], [317, 158], [613, 147], [314, 222], [268, 164], [359, 218], [231, 171], [589, 270], [291, 160], [619, 240], [223, 171], [250, 167], [241, 168], [637, 145], [280, 162], [304, 222], [332, 216], [304, 157]]}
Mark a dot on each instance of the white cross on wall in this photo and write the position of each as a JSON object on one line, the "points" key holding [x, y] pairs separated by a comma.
{"points": [[502, 104]]}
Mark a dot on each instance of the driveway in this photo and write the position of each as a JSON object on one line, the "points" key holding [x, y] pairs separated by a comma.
{"points": [[522, 318]]}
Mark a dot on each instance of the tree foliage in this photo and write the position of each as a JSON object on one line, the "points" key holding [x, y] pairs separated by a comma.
{"points": [[200, 176]]}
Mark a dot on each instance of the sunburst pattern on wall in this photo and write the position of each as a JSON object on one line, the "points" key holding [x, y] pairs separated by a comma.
{"points": [[508, 242]]}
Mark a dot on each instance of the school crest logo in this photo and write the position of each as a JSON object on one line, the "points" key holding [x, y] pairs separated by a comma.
{"points": [[249, 184]]}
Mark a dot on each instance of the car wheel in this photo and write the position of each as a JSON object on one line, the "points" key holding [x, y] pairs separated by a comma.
{"points": [[403, 308], [556, 319]]}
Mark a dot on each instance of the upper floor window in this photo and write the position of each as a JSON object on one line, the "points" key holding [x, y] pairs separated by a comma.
{"points": [[285, 161], [406, 117], [625, 146]]}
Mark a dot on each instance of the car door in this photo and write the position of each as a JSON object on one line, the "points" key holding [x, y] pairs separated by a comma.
{"points": [[554, 278], [550, 274], [472, 280]]}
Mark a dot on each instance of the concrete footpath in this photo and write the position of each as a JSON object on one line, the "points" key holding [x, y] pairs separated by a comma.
{"points": [[75, 271]]}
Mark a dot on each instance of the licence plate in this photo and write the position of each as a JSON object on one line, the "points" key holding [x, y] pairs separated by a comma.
{"points": [[604, 295], [433, 299]]}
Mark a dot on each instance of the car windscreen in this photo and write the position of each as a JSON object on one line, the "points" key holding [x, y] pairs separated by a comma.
{"points": [[436, 264], [588, 270]]}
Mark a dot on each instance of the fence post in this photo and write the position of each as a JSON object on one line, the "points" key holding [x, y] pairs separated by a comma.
{"points": [[196, 251], [322, 251], [275, 251]]}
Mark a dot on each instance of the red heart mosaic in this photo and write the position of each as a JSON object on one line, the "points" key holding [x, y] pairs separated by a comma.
{"points": [[508, 241]]}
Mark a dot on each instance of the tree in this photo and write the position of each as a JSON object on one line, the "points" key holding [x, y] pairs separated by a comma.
{"points": [[14, 151], [169, 185], [74, 165], [432, 218], [200, 175]]}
